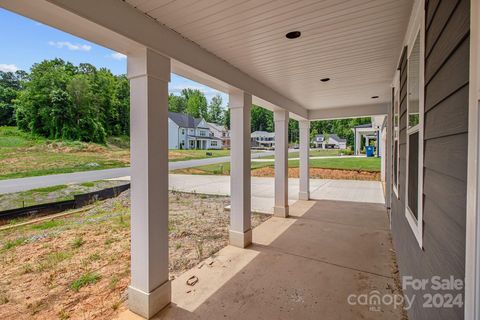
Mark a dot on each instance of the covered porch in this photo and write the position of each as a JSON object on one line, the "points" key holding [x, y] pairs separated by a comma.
{"points": [[310, 258], [320, 261]]}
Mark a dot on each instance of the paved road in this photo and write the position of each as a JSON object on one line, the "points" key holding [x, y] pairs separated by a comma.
{"points": [[23, 184]]}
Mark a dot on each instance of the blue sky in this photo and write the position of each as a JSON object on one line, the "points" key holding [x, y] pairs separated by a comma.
{"points": [[25, 41]]}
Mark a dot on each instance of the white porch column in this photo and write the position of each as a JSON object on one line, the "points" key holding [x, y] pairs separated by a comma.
{"points": [[304, 192], [240, 188], [358, 137], [281, 163], [149, 290]]}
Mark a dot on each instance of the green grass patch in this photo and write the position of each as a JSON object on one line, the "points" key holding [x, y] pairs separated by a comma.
{"points": [[48, 225], [26, 155], [358, 164], [182, 155], [48, 189], [88, 184], [12, 137], [13, 243], [52, 259], [85, 280], [77, 242], [318, 153]]}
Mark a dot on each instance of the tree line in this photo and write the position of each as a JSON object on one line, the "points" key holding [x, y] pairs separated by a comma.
{"points": [[59, 100]]}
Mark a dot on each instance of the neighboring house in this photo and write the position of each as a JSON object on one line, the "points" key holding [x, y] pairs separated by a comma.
{"points": [[186, 132], [334, 142], [263, 139], [220, 132]]}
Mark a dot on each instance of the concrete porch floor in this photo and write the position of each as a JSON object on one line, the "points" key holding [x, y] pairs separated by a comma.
{"points": [[303, 267]]}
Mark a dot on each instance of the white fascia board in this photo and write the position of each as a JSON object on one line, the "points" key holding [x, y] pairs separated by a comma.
{"points": [[117, 25], [348, 112]]}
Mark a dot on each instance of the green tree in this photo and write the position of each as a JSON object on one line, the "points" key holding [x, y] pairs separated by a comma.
{"points": [[10, 86], [33, 105], [122, 104], [226, 117], [261, 119], [196, 103], [176, 103], [215, 110]]}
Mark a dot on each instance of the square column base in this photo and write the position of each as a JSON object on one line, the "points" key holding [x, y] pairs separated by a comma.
{"points": [[240, 239], [149, 304], [281, 212], [304, 195]]}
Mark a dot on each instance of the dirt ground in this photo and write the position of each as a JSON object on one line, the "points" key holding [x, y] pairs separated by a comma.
{"points": [[319, 173], [78, 267]]}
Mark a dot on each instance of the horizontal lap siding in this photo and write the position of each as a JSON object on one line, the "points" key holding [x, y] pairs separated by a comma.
{"points": [[445, 156]]}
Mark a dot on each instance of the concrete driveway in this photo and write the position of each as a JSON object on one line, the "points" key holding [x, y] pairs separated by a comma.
{"points": [[263, 189]]}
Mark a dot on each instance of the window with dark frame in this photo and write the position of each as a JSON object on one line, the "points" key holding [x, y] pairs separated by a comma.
{"points": [[413, 128]]}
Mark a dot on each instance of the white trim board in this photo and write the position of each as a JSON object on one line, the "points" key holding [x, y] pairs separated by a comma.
{"points": [[349, 112], [472, 250]]}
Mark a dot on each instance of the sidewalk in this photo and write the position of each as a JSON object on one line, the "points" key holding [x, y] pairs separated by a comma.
{"points": [[311, 158]]}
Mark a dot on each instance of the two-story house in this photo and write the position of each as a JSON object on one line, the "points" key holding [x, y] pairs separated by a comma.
{"points": [[220, 132], [263, 139], [331, 141], [186, 132]]}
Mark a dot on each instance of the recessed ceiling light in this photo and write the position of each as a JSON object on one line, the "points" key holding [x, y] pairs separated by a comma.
{"points": [[325, 79], [375, 97], [293, 34]]}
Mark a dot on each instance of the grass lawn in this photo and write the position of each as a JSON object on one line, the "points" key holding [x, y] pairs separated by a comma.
{"points": [[316, 153], [26, 155], [181, 155], [78, 266], [358, 164]]}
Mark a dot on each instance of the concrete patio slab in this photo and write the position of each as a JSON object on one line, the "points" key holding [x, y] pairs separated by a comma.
{"points": [[303, 267]]}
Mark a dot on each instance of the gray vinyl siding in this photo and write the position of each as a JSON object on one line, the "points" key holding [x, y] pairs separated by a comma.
{"points": [[445, 156]]}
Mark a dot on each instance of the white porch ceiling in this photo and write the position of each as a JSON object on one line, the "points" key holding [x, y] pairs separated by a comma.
{"points": [[356, 43]]}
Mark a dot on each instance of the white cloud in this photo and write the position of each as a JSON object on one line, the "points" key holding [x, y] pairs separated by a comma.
{"points": [[8, 67], [70, 46], [177, 88], [118, 56]]}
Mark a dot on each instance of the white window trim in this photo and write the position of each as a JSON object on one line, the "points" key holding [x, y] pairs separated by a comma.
{"points": [[472, 250], [396, 131], [417, 224]]}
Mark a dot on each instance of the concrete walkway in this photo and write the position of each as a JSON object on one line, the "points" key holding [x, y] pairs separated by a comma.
{"points": [[263, 189], [311, 158], [303, 267]]}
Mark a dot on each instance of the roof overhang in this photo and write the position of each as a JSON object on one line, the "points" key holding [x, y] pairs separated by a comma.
{"points": [[232, 45]]}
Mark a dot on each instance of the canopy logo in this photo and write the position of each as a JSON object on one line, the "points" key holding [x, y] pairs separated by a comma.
{"points": [[435, 292]]}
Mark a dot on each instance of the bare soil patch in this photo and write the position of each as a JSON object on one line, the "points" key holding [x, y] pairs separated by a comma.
{"points": [[320, 173], [78, 267]]}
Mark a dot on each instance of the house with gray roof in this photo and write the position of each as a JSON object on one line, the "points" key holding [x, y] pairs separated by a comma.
{"points": [[330, 141], [187, 132]]}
